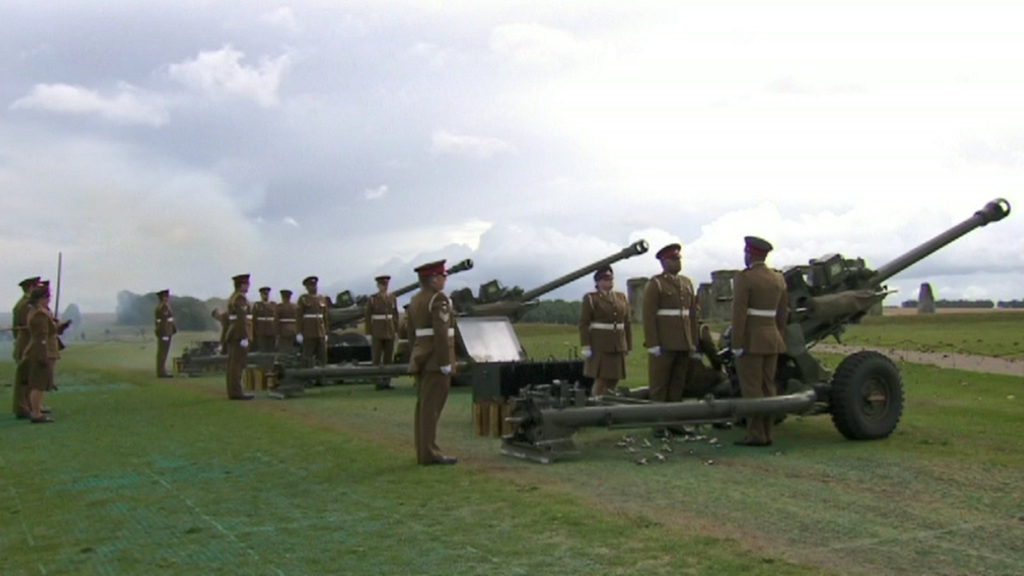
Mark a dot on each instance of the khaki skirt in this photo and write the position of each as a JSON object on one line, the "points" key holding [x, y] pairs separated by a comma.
{"points": [[606, 365]]}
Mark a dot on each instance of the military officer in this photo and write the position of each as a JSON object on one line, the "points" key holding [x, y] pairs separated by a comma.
{"points": [[312, 316], [381, 324], [263, 322], [19, 327], [41, 353], [285, 326], [164, 330], [670, 319], [759, 309], [606, 336], [432, 361], [237, 334]]}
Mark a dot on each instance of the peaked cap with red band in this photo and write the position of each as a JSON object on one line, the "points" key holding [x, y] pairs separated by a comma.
{"points": [[603, 273], [29, 282], [667, 251], [757, 246], [431, 269]]}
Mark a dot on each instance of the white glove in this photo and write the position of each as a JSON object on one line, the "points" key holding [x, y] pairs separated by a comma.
{"points": [[655, 351], [446, 369], [165, 338], [737, 352], [587, 352], [696, 355], [244, 343], [298, 338]]}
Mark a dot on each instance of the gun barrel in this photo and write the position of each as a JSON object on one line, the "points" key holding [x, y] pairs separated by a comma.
{"points": [[462, 266], [994, 211], [634, 249]]}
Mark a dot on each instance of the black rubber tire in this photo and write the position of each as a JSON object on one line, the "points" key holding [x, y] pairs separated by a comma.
{"points": [[866, 400]]}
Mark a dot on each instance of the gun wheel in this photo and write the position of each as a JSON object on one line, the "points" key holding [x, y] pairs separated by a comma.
{"points": [[867, 396]]}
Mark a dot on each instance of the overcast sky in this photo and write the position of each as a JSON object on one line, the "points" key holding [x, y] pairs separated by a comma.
{"points": [[165, 144]]}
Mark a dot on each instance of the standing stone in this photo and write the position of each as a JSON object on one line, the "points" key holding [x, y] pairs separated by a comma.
{"points": [[926, 300]]}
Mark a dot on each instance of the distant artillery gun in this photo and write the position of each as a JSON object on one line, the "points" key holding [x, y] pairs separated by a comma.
{"points": [[494, 299], [864, 395]]}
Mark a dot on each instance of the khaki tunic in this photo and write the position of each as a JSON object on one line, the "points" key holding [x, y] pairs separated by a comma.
{"points": [[312, 316], [237, 335], [42, 350], [285, 316], [381, 319], [670, 313], [760, 307], [604, 327], [19, 326], [430, 316], [164, 329], [264, 326]]}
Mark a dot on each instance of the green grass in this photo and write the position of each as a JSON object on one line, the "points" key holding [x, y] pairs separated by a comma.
{"points": [[141, 476], [984, 333]]}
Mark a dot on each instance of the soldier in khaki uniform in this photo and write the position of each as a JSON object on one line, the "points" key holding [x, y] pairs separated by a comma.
{"points": [[759, 310], [432, 324], [263, 322], [381, 325], [312, 316], [605, 333], [41, 353], [164, 330], [237, 334], [285, 324], [19, 327], [670, 317]]}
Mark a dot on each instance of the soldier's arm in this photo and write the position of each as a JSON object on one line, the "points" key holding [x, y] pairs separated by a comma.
{"points": [[739, 310], [627, 325], [367, 316], [38, 332], [440, 317], [394, 313], [586, 314], [650, 314], [782, 312], [325, 309], [694, 316]]}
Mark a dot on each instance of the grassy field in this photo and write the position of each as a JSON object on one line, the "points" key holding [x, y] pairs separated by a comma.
{"points": [[143, 476], [991, 334]]}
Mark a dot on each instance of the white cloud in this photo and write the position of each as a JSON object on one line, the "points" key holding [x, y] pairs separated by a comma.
{"points": [[129, 105], [290, 221], [283, 17], [444, 142], [375, 193], [533, 44], [221, 74]]}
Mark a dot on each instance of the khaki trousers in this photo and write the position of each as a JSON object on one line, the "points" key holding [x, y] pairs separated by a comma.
{"points": [[431, 395], [163, 348], [238, 358], [266, 343], [286, 343], [21, 389], [667, 375], [314, 351], [757, 380]]}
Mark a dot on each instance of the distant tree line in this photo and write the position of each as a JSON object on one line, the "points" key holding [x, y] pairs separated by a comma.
{"points": [[982, 304], [1010, 304], [554, 312], [189, 313]]}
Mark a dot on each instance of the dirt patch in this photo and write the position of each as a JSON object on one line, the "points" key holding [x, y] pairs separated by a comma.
{"points": [[968, 362]]}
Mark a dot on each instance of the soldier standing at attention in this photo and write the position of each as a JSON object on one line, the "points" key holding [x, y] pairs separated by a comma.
{"points": [[759, 310], [381, 324], [312, 314], [263, 319], [237, 334], [164, 329], [432, 324], [19, 327], [285, 315], [605, 333], [670, 317], [41, 353]]}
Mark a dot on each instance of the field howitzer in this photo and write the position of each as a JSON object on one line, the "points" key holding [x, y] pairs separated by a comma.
{"points": [[497, 300], [864, 395], [348, 312]]}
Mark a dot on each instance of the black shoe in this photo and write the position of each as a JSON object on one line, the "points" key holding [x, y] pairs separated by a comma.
{"points": [[46, 410], [446, 460], [242, 397], [751, 442], [42, 420]]}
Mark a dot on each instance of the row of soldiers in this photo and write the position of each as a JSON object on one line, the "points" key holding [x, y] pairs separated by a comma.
{"points": [[36, 350], [675, 340]]}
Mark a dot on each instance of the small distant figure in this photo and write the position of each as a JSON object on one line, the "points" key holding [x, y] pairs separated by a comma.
{"points": [[312, 314], [285, 315], [264, 328], [381, 324], [606, 335], [164, 330], [237, 334]]}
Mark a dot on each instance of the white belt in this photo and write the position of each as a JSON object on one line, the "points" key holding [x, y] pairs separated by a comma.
{"points": [[232, 316], [264, 319], [762, 313], [673, 312], [287, 320], [312, 316], [380, 317], [430, 332], [606, 326], [169, 319]]}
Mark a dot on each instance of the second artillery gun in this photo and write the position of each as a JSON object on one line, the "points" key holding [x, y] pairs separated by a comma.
{"points": [[864, 395]]}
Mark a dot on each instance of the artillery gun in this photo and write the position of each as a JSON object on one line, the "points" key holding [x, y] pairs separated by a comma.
{"points": [[497, 300], [864, 395]]}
